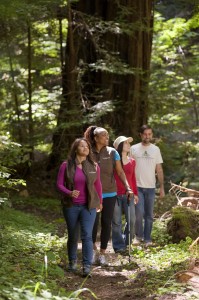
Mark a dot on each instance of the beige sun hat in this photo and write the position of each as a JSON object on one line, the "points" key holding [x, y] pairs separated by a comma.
{"points": [[121, 139]]}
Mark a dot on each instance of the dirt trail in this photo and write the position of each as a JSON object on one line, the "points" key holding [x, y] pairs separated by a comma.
{"points": [[116, 281], [121, 280]]}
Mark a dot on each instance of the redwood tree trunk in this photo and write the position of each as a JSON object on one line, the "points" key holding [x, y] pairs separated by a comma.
{"points": [[30, 118], [121, 31], [70, 108], [129, 92]]}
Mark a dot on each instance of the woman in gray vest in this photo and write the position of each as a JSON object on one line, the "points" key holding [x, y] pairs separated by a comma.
{"points": [[109, 160]]}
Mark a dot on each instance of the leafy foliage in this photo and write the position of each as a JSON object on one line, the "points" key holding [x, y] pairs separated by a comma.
{"points": [[160, 264], [173, 106], [31, 255], [10, 154], [174, 89], [22, 233], [17, 18]]}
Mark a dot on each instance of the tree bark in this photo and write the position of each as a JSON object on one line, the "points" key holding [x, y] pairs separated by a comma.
{"points": [[30, 118], [68, 123], [118, 33], [128, 92]]}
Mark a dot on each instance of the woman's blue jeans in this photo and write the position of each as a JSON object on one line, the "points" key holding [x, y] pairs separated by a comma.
{"points": [[75, 216], [144, 213], [120, 242]]}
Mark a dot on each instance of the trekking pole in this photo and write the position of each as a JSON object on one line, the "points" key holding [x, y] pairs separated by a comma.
{"points": [[129, 227]]}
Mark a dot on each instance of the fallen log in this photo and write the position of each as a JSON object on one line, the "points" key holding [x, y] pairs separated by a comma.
{"points": [[181, 188], [192, 198]]}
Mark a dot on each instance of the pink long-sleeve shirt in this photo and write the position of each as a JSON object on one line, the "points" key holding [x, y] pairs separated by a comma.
{"points": [[79, 184]]}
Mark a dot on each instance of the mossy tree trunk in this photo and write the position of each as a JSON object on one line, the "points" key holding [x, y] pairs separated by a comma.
{"points": [[183, 223]]}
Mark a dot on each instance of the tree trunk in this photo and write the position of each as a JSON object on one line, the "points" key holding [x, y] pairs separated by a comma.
{"points": [[69, 116], [30, 119], [119, 39], [129, 92], [17, 129]]}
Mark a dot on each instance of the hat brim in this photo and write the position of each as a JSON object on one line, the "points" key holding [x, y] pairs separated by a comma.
{"points": [[123, 139], [129, 139]]}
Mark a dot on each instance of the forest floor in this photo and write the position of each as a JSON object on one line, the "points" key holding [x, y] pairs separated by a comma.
{"points": [[123, 279]]}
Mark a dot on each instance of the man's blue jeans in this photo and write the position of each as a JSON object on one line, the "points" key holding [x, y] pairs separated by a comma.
{"points": [[120, 243], [144, 212], [75, 215]]}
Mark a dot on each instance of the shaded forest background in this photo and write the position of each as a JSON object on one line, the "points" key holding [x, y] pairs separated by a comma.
{"points": [[117, 64]]}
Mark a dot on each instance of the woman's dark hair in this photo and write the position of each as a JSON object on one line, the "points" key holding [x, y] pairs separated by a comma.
{"points": [[73, 150], [119, 150], [89, 134]]}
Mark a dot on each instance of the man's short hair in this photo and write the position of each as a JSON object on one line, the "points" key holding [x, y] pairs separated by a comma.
{"points": [[144, 127]]}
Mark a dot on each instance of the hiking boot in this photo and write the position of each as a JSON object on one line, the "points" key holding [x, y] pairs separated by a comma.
{"points": [[72, 266], [148, 244], [102, 260], [86, 271]]}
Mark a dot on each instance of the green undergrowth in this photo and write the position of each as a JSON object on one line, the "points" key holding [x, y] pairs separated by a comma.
{"points": [[44, 204], [32, 255], [160, 264]]}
